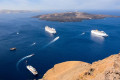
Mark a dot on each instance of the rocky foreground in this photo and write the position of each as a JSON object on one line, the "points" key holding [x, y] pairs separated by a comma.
{"points": [[106, 69], [71, 16]]}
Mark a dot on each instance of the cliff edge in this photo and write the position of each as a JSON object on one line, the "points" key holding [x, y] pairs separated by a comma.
{"points": [[106, 69]]}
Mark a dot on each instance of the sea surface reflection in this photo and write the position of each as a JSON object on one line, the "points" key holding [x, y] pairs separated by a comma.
{"points": [[97, 38]]}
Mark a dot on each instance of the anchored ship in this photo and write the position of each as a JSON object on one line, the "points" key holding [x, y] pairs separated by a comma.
{"points": [[50, 30], [32, 70], [99, 33]]}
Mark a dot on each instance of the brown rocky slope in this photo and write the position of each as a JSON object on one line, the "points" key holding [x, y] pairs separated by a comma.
{"points": [[106, 69]]}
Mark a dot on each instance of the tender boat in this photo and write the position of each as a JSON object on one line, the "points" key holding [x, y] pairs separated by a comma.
{"points": [[32, 70], [99, 33], [57, 38], [31, 55], [50, 30], [83, 33], [17, 33], [12, 49]]}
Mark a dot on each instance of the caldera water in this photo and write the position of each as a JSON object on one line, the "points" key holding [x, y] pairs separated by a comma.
{"points": [[75, 43]]}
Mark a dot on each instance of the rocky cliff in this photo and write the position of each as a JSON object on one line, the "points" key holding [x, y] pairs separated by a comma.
{"points": [[106, 69], [71, 16]]}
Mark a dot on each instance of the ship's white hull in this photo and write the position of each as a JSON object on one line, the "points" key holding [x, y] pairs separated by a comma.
{"points": [[50, 30], [99, 33], [32, 70], [53, 32]]}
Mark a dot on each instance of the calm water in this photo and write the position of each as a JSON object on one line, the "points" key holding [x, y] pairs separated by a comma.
{"points": [[71, 46]]}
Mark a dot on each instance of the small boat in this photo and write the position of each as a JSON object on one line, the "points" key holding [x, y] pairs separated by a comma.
{"points": [[32, 70], [12, 49], [50, 30], [31, 55], [34, 43], [83, 33], [17, 33], [99, 33], [56, 38]]}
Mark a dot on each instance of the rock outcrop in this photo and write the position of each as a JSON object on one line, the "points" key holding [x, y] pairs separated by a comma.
{"points": [[71, 16], [106, 69]]}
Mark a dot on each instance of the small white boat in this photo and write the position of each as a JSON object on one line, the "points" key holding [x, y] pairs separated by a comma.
{"points": [[31, 55], [83, 33], [99, 33], [17, 33], [32, 70], [57, 38], [50, 30], [33, 43]]}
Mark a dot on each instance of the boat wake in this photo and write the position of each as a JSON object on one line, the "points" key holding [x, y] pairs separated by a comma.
{"points": [[26, 57], [55, 39]]}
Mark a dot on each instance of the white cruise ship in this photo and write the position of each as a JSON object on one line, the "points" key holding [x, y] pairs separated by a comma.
{"points": [[50, 30], [32, 70], [99, 33]]}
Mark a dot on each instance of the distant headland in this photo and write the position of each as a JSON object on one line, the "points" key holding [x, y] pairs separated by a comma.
{"points": [[71, 16], [17, 11]]}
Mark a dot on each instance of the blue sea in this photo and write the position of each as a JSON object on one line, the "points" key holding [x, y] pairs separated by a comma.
{"points": [[75, 43]]}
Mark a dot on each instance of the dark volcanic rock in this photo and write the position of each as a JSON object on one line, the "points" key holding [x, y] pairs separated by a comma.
{"points": [[71, 16]]}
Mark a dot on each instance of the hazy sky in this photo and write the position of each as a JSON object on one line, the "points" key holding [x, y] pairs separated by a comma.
{"points": [[60, 4]]}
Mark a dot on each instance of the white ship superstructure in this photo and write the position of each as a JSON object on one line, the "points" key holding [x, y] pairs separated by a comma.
{"points": [[50, 30], [32, 69], [99, 33]]}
